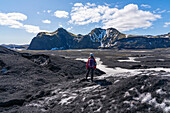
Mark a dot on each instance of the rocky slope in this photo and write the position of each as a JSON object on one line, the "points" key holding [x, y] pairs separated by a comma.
{"points": [[97, 38], [23, 77]]}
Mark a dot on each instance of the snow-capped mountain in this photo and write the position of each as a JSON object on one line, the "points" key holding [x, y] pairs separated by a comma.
{"points": [[97, 38], [106, 36]]}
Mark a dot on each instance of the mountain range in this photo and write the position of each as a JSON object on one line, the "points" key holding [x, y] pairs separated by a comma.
{"points": [[15, 46], [98, 38]]}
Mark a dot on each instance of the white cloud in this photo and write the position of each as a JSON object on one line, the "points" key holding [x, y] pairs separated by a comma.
{"points": [[31, 28], [48, 11], [158, 10], [60, 25], [46, 21], [69, 28], [89, 14], [78, 4], [89, 4], [116, 6], [17, 16], [166, 24], [107, 4], [128, 18], [155, 11], [38, 13], [162, 11], [13, 20], [61, 14], [145, 6]]}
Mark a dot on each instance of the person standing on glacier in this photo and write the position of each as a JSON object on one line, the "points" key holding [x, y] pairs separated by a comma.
{"points": [[91, 66]]}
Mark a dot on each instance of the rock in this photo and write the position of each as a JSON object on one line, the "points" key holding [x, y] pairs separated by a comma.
{"points": [[12, 102], [4, 50]]}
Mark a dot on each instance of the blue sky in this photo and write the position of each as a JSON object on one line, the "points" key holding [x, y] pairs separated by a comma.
{"points": [[21, 20]]}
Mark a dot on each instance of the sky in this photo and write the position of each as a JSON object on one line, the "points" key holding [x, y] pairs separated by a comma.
{"points": [[21, 20]]}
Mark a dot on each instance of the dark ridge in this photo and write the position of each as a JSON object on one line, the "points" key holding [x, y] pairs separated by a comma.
{"points": [[12, 102], [4, 50]]}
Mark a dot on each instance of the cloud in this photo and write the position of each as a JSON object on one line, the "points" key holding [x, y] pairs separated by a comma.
{"points": [[89, 4], [78, 4], [60, 25], [162, 11], [107, 4], [145, 6], [48, 11], [13, 20], [157, 10], [128, 18], [31, 28], [46, 21], [116, 6], [166, 24], [61, 14], [69, 28], [89, 13]]}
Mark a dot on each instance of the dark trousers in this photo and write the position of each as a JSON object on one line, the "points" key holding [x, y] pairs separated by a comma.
{"points": [[92, 71]]}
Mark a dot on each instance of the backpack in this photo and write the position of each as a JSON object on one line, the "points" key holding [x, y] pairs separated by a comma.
{"points": [[91, 62]]}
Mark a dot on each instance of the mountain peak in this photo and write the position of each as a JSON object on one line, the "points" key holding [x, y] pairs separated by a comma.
{"points": [[112, 29], [61, 29]]}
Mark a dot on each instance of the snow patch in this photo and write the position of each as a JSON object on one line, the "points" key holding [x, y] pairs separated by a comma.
{"points": [[127, 94], [61, 48], [87, 89], [161, 60], [116, 81], [142, 51], [131, 59], [159, 91], [146, 97], [66, 100]]}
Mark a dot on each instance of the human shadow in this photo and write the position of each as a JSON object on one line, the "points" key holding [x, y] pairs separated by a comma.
{"points": [[103, 82]]}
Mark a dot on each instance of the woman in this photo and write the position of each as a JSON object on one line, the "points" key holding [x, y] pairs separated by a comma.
{"points": [[91, 66]]}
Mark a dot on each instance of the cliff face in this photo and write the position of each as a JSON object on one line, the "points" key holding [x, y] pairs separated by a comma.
{"points": [[97, 38]]}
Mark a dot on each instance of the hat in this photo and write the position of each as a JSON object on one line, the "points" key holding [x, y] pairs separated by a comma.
{"points": [[91, 54]]}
